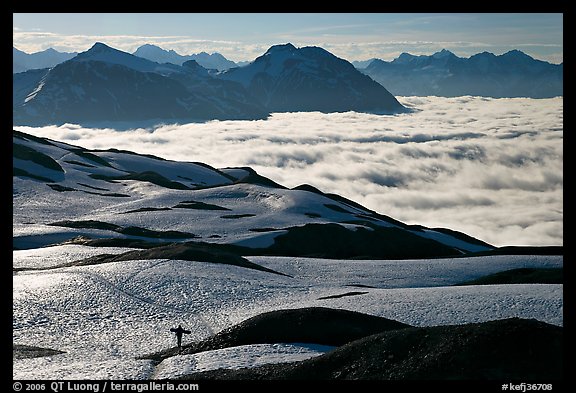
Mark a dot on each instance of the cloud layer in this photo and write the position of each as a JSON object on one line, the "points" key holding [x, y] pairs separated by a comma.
{"points": [[492, 168]]}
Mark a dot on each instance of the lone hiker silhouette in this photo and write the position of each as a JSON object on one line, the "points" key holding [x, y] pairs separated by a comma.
{"points": [[179, 331]]}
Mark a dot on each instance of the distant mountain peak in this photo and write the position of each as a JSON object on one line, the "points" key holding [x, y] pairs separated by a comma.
{"points": [[192, 64], [517, 54], [281, 48], [97, 50], [403, 58], [149, 46], [442, 54], [485, 53], [151, 49], [99, 47]]}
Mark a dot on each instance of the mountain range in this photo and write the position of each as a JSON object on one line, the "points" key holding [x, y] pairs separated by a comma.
{"points": [[213, 61], [106, 84], [22, 61], [512, 74]]}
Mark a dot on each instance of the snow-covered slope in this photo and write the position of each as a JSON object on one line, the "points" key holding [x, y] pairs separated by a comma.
{"points": [[107, 316], [290, 79], [107, 191]]}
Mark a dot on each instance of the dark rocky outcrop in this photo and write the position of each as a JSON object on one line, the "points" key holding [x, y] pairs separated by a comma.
{"points": [[512, 349]]}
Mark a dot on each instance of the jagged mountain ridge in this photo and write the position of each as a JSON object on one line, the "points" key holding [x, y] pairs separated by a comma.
{"points": [[22, 61], [123, 195], [213, 61], [512, 74]]}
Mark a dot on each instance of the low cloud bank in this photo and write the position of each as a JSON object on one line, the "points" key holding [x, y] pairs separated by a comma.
{"points": [[492, 168]]}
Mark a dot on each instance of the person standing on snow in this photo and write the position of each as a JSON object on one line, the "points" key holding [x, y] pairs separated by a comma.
{"points": [[179, 331]]}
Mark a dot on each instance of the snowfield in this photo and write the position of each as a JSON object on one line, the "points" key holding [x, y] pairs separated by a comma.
{"points": [[106, 316], [237, 357]]}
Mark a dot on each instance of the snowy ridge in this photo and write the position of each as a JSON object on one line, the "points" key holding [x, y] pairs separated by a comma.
{"points": [[180, 196]]}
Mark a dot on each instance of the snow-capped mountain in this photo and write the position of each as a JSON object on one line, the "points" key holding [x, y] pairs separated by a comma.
{"points": [[209, 61], [512, 74], [106, 84], [22, 61], [287, 79], [108, 192]]}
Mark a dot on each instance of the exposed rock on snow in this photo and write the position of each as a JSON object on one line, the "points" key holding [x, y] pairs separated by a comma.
{"points": [[315, 325], [509, 349]]}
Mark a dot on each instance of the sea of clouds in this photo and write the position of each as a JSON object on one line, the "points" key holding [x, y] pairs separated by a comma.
{"points": [[492, 168]]}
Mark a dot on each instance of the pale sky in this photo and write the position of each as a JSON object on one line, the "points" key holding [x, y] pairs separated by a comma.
{"points": [[245, 36]]}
